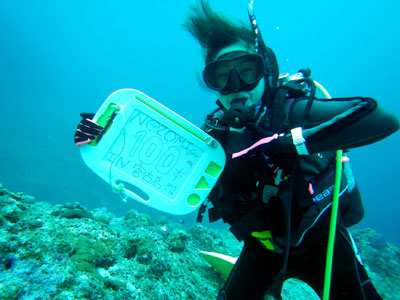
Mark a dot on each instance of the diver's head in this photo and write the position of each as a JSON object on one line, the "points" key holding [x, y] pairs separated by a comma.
{"points": [[219, 35], [230, 48], [236, 72]]}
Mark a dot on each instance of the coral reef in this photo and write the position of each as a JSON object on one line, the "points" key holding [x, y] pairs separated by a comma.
{"points": [[68, 252]]}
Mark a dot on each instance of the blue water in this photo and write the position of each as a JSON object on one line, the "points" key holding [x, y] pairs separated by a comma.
{"points": [[60, 58]]}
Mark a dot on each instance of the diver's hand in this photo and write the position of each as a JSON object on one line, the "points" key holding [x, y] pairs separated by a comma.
{"points": [[87, 130]]}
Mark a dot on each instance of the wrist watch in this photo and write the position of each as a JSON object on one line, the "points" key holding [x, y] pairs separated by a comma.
{"points": [[298, 141]]}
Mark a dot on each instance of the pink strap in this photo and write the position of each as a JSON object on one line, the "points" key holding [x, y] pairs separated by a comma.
{"points": [[88, 134], [255, 145], [91, 121], [83, 142], [344, 159], [310, 189]]}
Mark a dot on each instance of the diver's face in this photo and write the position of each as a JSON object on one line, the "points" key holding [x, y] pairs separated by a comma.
{"points": [[253, 97]]}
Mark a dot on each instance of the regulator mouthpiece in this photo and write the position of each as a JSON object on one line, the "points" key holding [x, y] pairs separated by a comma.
{"points": [[238, 114]]}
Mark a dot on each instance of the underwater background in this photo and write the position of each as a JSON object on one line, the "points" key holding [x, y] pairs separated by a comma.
{"points": [[61, 58]]}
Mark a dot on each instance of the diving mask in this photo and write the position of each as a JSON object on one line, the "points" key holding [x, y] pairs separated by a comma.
{"points": [[234, 72]]}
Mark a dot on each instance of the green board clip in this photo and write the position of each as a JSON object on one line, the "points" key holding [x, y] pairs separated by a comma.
{"points": [[105, 121]]}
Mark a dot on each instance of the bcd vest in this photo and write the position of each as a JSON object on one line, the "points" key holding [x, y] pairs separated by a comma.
{"points": [[252, 194]]}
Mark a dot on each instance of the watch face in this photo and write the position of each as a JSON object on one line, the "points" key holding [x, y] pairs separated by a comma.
{"points": [[299, 141], [297, 135]]}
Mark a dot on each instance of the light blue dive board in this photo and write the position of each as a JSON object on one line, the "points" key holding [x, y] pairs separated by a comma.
{"points": [[151, 154]]}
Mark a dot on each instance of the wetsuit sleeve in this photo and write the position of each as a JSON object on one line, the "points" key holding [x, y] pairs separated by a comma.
{"points": [[343, 123]]}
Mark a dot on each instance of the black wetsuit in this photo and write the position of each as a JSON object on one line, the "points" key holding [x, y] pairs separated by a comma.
{"points": [[239, 198]]}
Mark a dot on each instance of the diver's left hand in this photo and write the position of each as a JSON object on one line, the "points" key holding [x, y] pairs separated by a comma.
{"points": [[87, 130]]}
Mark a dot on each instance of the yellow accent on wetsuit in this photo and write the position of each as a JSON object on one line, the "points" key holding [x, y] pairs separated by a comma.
{"points": [[265, 238]]}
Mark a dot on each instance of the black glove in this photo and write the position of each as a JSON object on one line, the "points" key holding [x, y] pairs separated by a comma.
{"points": [[87, 130]]}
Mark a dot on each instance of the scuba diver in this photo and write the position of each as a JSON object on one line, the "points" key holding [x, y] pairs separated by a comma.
{"points": [[280, 141]]}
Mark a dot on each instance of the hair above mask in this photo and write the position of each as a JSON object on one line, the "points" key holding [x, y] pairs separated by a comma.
{"points": [[215, 31]]}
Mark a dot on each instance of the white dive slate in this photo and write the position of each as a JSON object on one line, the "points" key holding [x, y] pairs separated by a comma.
{"points": [[151, 154]]}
